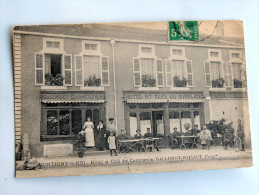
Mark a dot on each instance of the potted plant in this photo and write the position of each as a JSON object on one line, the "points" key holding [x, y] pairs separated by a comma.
{"points": [[180, 82], [238, 83], [92, 81], [148, 81], [218, 83], [58, 80], [80, 145], [49, 80]]}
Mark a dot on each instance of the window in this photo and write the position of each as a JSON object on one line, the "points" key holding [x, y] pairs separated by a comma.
{"points": [[92, 68], [215, 70], [178, 69], [53, 44], [214, 54], [133, 123], [236, 67], [147, 68], [174, 121], [91, 46], [235, 55], [145, 122]]}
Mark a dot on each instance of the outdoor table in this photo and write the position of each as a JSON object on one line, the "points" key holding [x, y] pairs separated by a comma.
{"points": [[183, 137], [131, 143]]}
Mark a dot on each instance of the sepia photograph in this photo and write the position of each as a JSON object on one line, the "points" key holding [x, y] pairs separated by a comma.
{"points": [[116, 98]]}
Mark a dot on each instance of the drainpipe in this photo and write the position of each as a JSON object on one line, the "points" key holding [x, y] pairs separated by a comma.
{"points": [[114, 84]]}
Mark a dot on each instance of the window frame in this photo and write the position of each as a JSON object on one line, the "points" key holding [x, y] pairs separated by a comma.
{"points": [[53, 50]]}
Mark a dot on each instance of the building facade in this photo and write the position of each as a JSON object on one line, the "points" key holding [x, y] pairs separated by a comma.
{"points": [[64, 75]]}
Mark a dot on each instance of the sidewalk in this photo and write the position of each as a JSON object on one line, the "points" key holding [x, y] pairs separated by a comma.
{"points": [[163, 156]]}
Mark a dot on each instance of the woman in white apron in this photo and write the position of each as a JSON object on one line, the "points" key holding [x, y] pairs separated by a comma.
{"points": [[89, 133]]}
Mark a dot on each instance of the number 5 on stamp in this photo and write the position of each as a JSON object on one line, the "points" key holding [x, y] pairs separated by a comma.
{"points": [[183, 31]]}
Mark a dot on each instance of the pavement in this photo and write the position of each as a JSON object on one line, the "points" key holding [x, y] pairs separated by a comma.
{"points": [[134, 162]]}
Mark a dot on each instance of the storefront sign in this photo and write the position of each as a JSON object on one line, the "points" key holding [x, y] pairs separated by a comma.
{"points": [[228, 94], [163, 96], [72, 97]]}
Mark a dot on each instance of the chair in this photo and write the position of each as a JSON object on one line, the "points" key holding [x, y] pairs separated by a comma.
{"points": [[149, 144]]}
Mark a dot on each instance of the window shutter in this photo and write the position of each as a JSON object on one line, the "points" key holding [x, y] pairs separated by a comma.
{"points": [[39, 69], [136, 72], [207, 74], [189, 72], [105, 71], [168, 72], [225, 70], [159, 73], [79, 71], [67, 69], [229, 74]]}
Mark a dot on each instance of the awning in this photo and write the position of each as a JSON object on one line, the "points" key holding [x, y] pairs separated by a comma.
{"points": [[146, 101]]}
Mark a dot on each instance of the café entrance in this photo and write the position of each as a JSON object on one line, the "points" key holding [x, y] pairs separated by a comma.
{"points": [[158, 123]]}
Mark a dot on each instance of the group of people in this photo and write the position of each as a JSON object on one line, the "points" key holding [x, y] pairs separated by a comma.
{"points": [[206, 136], [100, 136]]}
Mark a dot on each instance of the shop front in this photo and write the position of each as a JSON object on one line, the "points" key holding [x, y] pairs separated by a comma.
{"points": [[64, 113], [160, 112]]}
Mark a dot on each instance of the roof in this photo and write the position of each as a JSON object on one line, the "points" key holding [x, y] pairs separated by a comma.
{"points": [[122, 32]]}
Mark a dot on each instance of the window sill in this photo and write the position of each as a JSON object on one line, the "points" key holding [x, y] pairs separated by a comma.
{"points": [[217, 89], [88, 88], [51, 87], [180, 88], [148, 88], [239, 89]]}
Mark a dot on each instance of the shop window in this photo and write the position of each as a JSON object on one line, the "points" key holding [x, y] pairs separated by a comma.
{"points": [[174, 121], [52, 122], [185, 105], [132, 106], [197, 120], [174, 105], [145, 106], [94, 115], [133, 123], [158, 105], [64, 122], [186, 121], [76, 121], [145, 122]]}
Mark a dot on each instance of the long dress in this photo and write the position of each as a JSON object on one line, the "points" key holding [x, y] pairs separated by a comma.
{"points": [[100, 138], [89, 134]]}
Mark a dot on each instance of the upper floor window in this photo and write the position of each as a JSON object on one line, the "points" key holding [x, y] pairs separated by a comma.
{"points": [[215, 54], [178, 69], [147, 68], [91, 68], [53, 66]]}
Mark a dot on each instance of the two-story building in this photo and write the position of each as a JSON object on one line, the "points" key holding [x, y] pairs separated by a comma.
{"points": [[63, 74]]}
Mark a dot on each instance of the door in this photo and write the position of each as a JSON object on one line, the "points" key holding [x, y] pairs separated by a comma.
{"points": [[94, 114], [158, 123]]}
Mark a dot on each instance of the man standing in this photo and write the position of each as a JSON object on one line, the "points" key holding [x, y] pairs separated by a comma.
{"points": [[175, 138], [241, 133]]}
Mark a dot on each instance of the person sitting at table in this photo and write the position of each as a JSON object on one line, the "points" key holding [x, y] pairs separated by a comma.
{"points": [[148, 134], [139, 144], [175, 138], [195, 131], [122, 136]]}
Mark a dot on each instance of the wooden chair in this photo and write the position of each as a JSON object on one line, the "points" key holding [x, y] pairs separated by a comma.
{"points": [[149, 144]]}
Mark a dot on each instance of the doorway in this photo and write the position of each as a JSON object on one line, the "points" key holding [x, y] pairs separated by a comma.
{"points": [[158, 123]]}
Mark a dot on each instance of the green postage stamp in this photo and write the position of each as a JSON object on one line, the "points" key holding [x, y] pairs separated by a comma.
{"points": [[183, 31]]}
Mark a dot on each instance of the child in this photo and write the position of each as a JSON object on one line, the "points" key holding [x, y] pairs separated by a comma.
{"points": [[112, 143], [205, 137]]}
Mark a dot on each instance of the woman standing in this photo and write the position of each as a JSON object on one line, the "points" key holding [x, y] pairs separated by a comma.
{"points": [[100, 136], [89, 133]]}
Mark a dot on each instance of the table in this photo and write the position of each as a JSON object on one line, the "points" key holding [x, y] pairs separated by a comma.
{"points": [[183, 137], [130, 144]]}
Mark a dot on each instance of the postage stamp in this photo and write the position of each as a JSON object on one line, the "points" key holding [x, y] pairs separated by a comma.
{"points": [[183, 31]]}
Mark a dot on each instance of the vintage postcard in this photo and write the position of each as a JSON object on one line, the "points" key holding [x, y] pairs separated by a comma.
{"points": [[130, 98]]}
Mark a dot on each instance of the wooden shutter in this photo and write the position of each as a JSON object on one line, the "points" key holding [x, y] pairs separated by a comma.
{"points": [[189, 73], [79, 71], [207, 74], [39, 69], [67, 67], [168, 72], [159, 73], [105, 71], [136, 72], [230, 75]]}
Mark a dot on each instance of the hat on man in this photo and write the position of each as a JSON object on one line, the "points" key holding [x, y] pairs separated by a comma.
{"points": [[111, 119]]}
